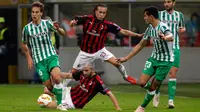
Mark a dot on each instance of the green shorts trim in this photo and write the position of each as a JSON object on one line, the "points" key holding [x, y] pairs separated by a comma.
{"points": [[158, 68], [45, 66], [177, 54]]}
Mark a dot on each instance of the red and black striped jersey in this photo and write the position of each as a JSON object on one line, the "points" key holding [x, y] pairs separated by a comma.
{"points": [[87, 88], [95, 32]]}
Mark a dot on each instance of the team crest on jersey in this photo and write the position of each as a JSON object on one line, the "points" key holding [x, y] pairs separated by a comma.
{"points": [[90, 83], [102, 27]]}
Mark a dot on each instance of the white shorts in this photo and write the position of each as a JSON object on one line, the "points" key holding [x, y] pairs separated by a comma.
{"points": [[66, 99], [84, 57]]}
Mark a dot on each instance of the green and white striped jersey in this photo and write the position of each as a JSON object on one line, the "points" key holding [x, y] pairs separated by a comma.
{"points": [[39, 39], [174, 21], [162, 50]]}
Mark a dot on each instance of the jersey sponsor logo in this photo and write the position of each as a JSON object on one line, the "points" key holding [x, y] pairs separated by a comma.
{"points": [[39, 34], [83, 87], [93, 33], [170, 21]]}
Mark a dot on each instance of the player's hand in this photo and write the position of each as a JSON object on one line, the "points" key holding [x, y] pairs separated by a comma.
{"points": [[118, 109], [161, 35], [181, 29], [121, 60], [56, 25], [73, 23], [30, 63]]}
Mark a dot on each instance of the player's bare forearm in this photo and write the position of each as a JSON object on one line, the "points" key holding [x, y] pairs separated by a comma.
{"points": [[136, 49], [25, 50], [129, 33], [53, 104], [66, 75], [168, 37], [114, 100], [61, 31]]}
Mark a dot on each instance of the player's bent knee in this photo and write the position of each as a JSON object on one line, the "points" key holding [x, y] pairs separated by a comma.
{"points": [[57, 79], [142, 83], [173, 72]]}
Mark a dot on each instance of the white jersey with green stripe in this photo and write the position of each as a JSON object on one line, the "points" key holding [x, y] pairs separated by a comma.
{"points": [[39, 39], [162, 50], [174, 21]]}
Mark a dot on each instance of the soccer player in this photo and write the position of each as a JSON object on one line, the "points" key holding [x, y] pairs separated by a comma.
{"points": [[159, 64], [89, 85], [175, 21], [95, 30], [46, 61]]}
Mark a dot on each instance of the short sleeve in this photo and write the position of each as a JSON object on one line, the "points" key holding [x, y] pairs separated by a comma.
{"points": [[77, 75], [50, 25], [181, 24], [146, 33], [165, 29], [102, 88], [113, 28], [24, 35]]}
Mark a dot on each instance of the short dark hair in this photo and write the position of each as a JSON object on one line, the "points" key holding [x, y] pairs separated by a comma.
{"points": [[99, 5], [152, 11], [38, 4]]}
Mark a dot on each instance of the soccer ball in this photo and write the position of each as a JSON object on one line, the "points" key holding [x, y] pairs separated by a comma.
{"points": [[44, 100]]}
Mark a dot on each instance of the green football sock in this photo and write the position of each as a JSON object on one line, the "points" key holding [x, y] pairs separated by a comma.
{"points": [[148, 98], [171, 88], [58, 92]]}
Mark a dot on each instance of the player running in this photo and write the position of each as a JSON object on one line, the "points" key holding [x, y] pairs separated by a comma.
{"points": [[95, 30], [46, 61], [159, 64], [175, 20]]}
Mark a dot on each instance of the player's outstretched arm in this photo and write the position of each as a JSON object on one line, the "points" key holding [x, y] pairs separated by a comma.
{"points": [[52, 104], [114, 100], [66, 75], [25, 50], [135, 50], [130, 33], [58, 28]]}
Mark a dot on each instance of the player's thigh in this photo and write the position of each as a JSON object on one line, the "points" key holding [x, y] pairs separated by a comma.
{"points": [[162, 70], [104, 54], [42, 71], [53, 62], [176, 62], [149, 68], [54, 68], [81, 59]]}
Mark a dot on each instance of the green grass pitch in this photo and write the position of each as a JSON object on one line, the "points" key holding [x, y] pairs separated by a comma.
{"points": [[23, 98]]}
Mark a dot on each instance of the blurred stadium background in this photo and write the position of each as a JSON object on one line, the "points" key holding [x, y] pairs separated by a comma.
{"points": [[126, 13]]}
